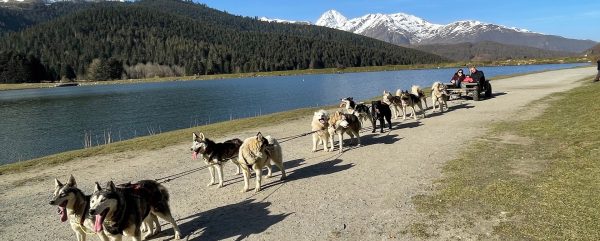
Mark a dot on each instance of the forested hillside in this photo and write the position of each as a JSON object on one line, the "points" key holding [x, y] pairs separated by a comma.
{"points": [[485, 51], [185, 38]]}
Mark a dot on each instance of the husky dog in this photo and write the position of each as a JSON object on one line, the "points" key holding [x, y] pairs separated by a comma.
{"points": [[411, 100], [381, 111], [439, 95], [255, 153], [158, 198], [362, 111], [319, 125], [74, 205], [120, 211], [416, 90], [344, 123], [216, 154], [393, 102]]}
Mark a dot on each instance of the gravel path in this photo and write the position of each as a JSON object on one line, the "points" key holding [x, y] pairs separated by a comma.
{"points": [[362, 194]]}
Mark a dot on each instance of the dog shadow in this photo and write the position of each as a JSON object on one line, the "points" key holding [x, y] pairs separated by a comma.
{"points": [[318, 169], [235, 220], [382, 138], [450, 109]]}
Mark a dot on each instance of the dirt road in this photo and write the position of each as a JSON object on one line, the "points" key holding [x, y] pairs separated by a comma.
{"points": [[363, 194]]}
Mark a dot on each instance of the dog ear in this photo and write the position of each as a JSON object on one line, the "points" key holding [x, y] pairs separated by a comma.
{"points": [[259, 136], [72, 182], [194, 136], [111, 186], [202, 136], [97, 187], [57, 183]]}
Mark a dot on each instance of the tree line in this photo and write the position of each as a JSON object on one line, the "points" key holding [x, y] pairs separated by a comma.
{"points": [[105, 41]]}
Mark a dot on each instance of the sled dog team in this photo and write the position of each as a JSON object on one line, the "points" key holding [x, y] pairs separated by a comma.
{"points": [[133, 209]]}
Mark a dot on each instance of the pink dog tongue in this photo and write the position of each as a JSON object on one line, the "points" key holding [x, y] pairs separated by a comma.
{"points": [[63, 214], [194, 155], [98, 223]]}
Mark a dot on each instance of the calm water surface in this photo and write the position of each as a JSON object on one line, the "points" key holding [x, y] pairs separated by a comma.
{"points": [[40, 122]]}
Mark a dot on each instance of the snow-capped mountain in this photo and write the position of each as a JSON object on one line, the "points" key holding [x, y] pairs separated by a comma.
{"points": [[406, 29], [276, 20]]}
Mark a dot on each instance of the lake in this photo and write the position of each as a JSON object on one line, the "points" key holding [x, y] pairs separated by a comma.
{"points": [[39, 122]]}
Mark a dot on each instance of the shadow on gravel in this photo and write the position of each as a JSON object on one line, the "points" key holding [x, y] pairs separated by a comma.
{"points": [[450, 109], [238, 220], [318, 169], [385, 138]]}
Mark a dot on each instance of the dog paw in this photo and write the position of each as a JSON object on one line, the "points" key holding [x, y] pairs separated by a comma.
{"points": [[177, 236], [220, 185], [314, 150], [256, 190], [210, 184]]}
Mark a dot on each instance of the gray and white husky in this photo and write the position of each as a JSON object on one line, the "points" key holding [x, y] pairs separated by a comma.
{"points": [[122, 211], [74, 205]]}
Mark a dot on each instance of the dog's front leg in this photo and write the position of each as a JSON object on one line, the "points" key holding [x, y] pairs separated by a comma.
{"points": [[246, 173], [315, 138], [102, 236], [324, 141], [211, 170], [414, 114], [220, 173], [258, 173], [341, 140], [331, 142], [357, 134], [80, 234]]}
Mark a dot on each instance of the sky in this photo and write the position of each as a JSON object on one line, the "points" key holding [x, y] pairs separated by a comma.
{"points": [[579, 19]]}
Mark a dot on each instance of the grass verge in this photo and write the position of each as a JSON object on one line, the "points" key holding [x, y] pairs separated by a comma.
{"points": [[526, 180], [160, 140]]}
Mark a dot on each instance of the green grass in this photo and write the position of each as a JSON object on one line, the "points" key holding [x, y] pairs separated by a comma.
{"points": [[542, 183], [304, 72], [160, 140]]}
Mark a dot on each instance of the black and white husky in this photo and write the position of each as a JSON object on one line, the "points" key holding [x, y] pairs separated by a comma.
{"points": [[362, 111], [74, 205], [410, 100], [122, 211], [216, 154]]}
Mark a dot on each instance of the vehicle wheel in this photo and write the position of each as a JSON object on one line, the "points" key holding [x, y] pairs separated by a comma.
{"points": [[476, 93], [488, 90]]}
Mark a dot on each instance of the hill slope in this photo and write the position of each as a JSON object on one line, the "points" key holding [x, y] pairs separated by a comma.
{"points": [[487, 50], [200, 39]]}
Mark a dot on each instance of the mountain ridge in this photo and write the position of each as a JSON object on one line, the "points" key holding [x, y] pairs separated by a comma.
{"points": [[405, 29]]}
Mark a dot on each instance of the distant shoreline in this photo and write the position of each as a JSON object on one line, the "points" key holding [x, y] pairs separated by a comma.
{"points": [[7, 87]]}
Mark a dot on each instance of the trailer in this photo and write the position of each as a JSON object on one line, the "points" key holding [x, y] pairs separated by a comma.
{"points": [[474, 90]]}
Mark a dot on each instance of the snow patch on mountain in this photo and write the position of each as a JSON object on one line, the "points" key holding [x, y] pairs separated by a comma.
{"points": [[414, 29], [276, 20]]}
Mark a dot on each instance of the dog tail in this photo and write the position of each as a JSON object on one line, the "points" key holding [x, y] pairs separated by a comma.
{"points": [[398, 92], [271, 140]]}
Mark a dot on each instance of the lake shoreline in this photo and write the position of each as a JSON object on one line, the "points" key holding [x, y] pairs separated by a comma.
{"points": [[174, 137], [21, 86]]}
